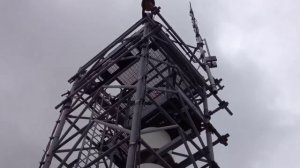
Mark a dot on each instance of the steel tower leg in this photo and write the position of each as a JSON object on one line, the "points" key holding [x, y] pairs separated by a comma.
{"points": [[208, 131], [58, 131], [139, 102]]}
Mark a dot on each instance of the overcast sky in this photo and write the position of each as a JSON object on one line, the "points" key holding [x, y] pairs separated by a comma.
{"points": [[44, 42]]}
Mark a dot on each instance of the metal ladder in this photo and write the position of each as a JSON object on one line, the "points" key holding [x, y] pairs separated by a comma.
{"points": [[92, 143]]}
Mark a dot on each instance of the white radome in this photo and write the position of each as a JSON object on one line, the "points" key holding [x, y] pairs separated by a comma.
{"points": [[156, 139]]}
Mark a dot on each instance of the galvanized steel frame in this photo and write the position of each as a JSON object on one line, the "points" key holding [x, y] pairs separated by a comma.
{"points": [[120, 127]]}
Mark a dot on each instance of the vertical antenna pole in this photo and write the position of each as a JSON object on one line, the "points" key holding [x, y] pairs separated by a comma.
{"points": [[200, 44], [196, 29], [139, 102]]}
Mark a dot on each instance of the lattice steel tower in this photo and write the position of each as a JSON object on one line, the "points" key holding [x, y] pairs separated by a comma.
{"points": [[141, 102]]}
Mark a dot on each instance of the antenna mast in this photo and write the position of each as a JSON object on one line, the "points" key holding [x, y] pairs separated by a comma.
{"points": [[208, 61], [196, 29]]}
